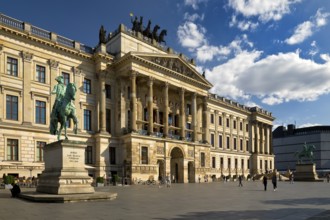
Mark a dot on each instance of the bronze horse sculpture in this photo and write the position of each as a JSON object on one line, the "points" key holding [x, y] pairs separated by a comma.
{"points": [[162, 35], [64, 112], [306, 152]]}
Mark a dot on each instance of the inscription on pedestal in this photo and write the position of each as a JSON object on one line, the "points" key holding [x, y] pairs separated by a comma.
{"points": [[73, 156]]}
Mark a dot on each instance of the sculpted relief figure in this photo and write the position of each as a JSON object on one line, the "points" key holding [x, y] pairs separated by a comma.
{"points": [[63, 108]]}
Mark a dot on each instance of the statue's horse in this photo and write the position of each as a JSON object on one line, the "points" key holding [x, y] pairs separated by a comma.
{"points": [[146, 31], [154, 33], [65, 111], [161, 37], [306, 152]]}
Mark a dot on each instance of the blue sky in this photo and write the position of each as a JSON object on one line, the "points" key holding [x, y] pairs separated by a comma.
{"points": [[269, 53]]}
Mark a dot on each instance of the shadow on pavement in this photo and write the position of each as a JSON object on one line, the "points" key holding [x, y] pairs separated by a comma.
{"points": [[306, 201]]}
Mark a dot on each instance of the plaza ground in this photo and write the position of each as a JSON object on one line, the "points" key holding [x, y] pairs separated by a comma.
{"points": [[219, 200]]}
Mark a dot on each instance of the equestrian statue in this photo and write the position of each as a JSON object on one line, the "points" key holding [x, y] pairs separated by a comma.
{"points": [[307, 152], [63, 108]]}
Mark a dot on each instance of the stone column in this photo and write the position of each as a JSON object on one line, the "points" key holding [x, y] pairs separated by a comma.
{"points": [[216, 133], [166, 109], [206, 121], [257, 147], [150, 107], [267, 139], [133, 101], [253, 137], [261, 139], [78, 82], [27, 100], [102, 100], [194, 115], [231, 123], [182, 114]]}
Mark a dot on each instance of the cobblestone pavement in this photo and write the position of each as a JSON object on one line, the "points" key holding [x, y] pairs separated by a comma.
{"points": [[219, 200]]}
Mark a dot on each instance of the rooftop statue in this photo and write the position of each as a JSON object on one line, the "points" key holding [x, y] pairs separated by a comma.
{"points": [[154, 33], [63, 109], [307, 152], [135, 23], [147, 31], [162, 35], [102, 34]]}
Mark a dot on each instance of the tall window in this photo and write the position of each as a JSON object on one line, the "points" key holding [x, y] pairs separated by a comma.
{"points": [[66, 77], [227, 122], [241, 144], [108, 120], [202, 159], [228, 143], [247, 127], [247, 145], [112, 155], [236, 163], [188, 110], [12, 149], [229, 164], [41, 74], [248, 164], [235, 144], [212, 118], [221, 162], [87, 86], [242, 164], [107, 91], [234, 124], [40, 112], [128, 92], [220, 120], [241, 126], [144, 155], [12, 66], [12, 107], [261, 164], [89, 155], [213, 162], [212, 140], [87, 120], [129, 121], [40, 151], [220, 141]]}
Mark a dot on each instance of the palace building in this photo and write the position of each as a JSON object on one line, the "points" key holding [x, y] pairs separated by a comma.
{"points": [[143, 109]]}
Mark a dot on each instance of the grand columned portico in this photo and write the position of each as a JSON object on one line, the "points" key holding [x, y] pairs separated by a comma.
{"points": [[144, 111]]}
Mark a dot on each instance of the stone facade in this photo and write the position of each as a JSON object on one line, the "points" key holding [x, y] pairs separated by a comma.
{"points": [[143, 110]]}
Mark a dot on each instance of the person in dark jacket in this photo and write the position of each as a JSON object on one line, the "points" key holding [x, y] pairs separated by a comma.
{"points": [[15, 190], [264, 180], [274, 181]]}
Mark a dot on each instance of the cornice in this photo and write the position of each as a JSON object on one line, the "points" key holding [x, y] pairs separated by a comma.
{"points": [[45, 42]]}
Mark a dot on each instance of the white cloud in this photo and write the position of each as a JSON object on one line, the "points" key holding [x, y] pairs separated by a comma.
{"points": [[194, 3], [325, 57], [191, 35], [314, 50], [193, 17], [274, 79], [308, 125], [307, 28], [262, 10]]}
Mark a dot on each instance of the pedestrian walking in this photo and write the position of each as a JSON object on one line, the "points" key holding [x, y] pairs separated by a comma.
{"points": [[328, 177], [274, 181], [168, 181], [240, 178], [264, 181], [291, 178], [199, 178]]}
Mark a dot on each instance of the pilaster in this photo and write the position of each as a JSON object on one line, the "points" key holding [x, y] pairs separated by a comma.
{"points": [[194, 115], [166, 111], [182, 113], [27, 101], [150, 106], [133, 101]]}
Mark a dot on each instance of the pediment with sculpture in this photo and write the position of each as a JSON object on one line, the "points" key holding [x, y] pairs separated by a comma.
{"points": [[178, 65]]}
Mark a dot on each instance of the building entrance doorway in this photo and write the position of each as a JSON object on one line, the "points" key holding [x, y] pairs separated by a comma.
{"points": [[161, 170], [191, 172], [177, 165]]}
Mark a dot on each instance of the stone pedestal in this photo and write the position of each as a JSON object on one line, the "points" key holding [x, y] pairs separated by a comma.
{"points": [[65, 171], [306, 172]]}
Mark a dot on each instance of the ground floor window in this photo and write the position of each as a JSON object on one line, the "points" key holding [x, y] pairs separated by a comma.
{"points": [[144, 155], [40, 151], [12, 149]]}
